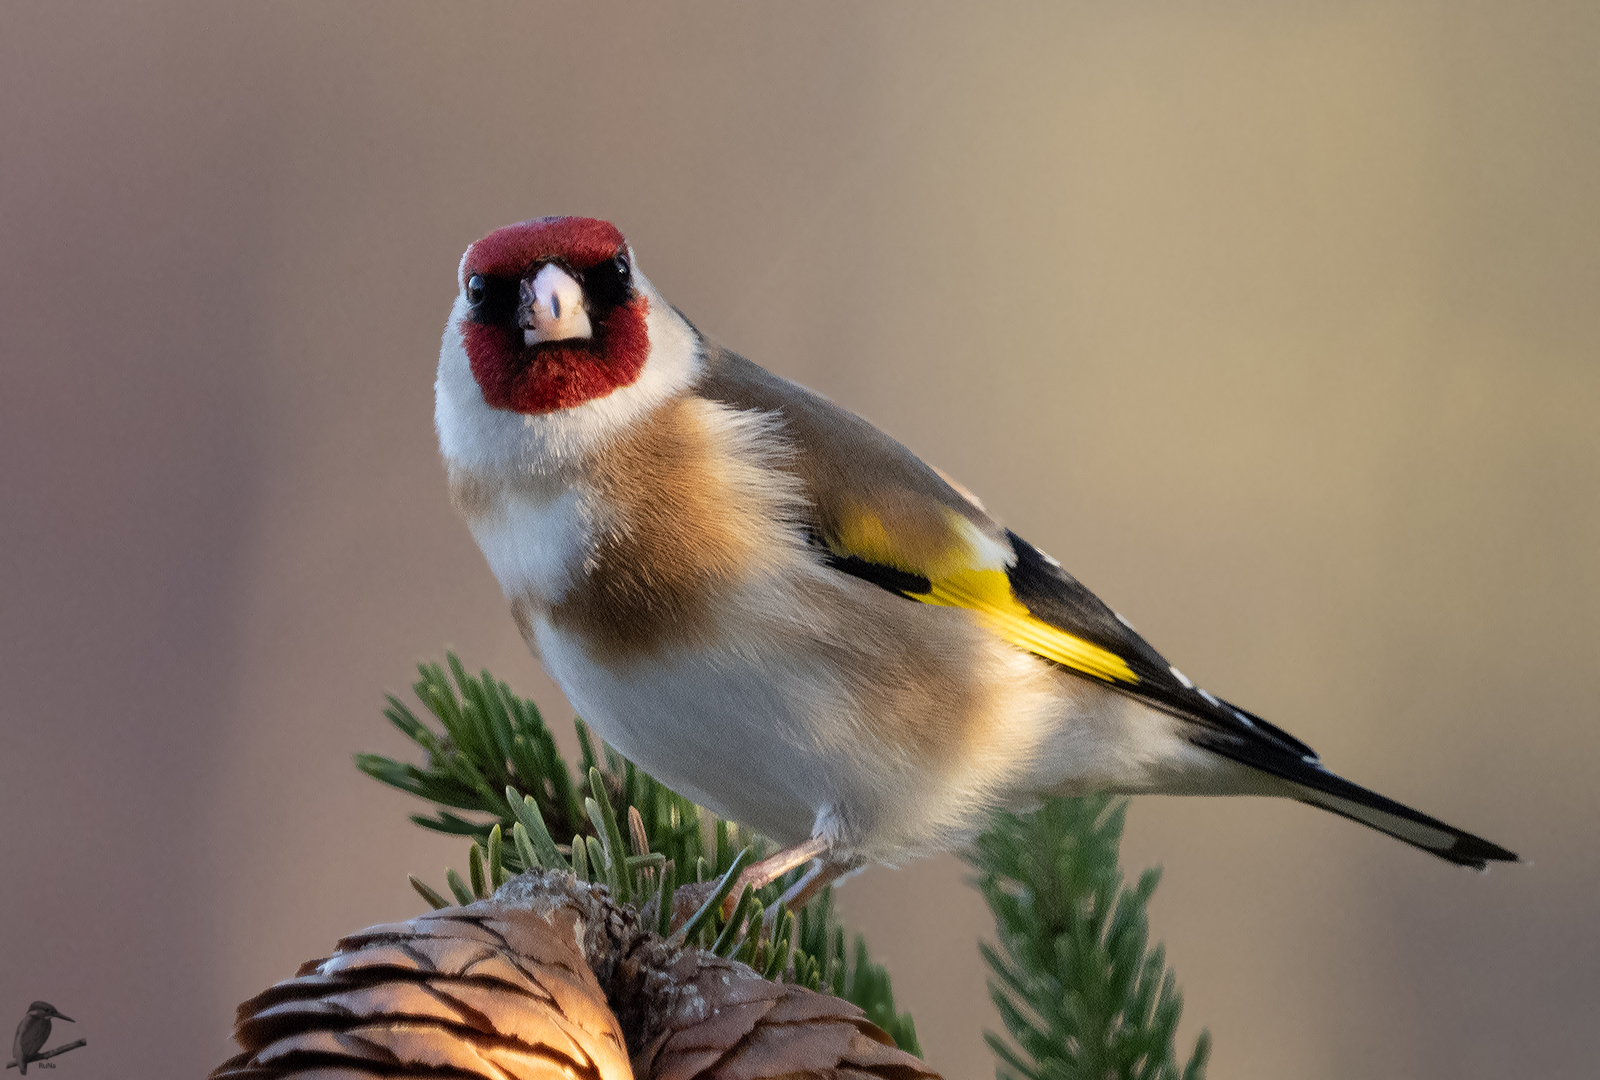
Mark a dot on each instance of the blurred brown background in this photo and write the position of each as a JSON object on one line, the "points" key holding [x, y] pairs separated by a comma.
{"points": [[1275, 322]]}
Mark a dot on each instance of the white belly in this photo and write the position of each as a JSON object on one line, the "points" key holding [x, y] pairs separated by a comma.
{"points": [[731, 733], [782, 730]]}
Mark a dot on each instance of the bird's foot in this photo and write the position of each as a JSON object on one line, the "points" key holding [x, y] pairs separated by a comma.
{"points": [[689, 898]]}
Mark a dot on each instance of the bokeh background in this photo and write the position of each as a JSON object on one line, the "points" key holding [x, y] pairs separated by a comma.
{"points": [[1276, 322]]}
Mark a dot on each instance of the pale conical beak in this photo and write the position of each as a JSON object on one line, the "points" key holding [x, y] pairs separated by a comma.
{"points": [[551, 307]]}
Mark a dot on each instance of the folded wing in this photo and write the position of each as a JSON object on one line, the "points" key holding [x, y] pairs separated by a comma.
{"points": [[881, 514]]}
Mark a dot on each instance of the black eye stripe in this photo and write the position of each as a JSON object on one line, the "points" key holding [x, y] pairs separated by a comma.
{"points": [[608, 283], [493, 298], [497, 299]]}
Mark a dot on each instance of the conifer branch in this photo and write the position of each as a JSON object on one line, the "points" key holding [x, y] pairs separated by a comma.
{"points": [[496, 759], [1079, 991]]}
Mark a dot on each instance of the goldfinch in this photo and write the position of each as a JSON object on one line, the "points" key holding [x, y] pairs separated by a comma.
{"points": [[783, 613]]}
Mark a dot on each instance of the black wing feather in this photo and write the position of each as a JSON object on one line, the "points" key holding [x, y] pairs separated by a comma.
{"points": [[1056, 597]]}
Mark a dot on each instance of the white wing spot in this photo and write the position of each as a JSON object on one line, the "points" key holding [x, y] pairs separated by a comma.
{"points": [[1123, 619], [1211, 699], [1176, 674], [987, 552]]}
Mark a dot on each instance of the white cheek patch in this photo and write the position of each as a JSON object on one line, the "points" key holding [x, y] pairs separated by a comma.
{"points": [[537, 547], [471, 434]]}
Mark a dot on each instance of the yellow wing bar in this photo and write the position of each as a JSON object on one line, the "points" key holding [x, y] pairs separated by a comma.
{"points": [[966, 569], [988, 593]]}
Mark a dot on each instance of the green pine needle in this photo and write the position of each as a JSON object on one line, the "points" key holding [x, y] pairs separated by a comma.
{"points": [[728, 939], [664, 902], [600, 869], [496, 855], [1079, 989], [580, 858], [434, 900], [611, 835], [526, 810], [525, 853], [480, 888], [458, 888], [688, 931]]}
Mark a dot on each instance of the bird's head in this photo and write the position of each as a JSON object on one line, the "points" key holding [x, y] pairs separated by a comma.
{"points": [[556, 342], [553, 316], [44, 1008]]}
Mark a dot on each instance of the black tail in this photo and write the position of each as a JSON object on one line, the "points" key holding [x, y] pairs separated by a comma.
{"points": [[1319, 787]]}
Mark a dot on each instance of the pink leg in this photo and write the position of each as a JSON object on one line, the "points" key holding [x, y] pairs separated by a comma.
{"points": [[819, 877], [773, 867], [687, 900]]}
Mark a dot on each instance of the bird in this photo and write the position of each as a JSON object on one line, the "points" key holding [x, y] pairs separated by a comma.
{"points": [[32, 1033], [785, 614]]}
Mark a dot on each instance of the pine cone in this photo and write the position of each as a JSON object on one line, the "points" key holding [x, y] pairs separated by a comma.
{"points": [[549, 978]]}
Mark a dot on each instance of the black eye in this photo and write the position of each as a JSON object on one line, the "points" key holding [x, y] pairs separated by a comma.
{"points": [[621, 263], [475, 289]]}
